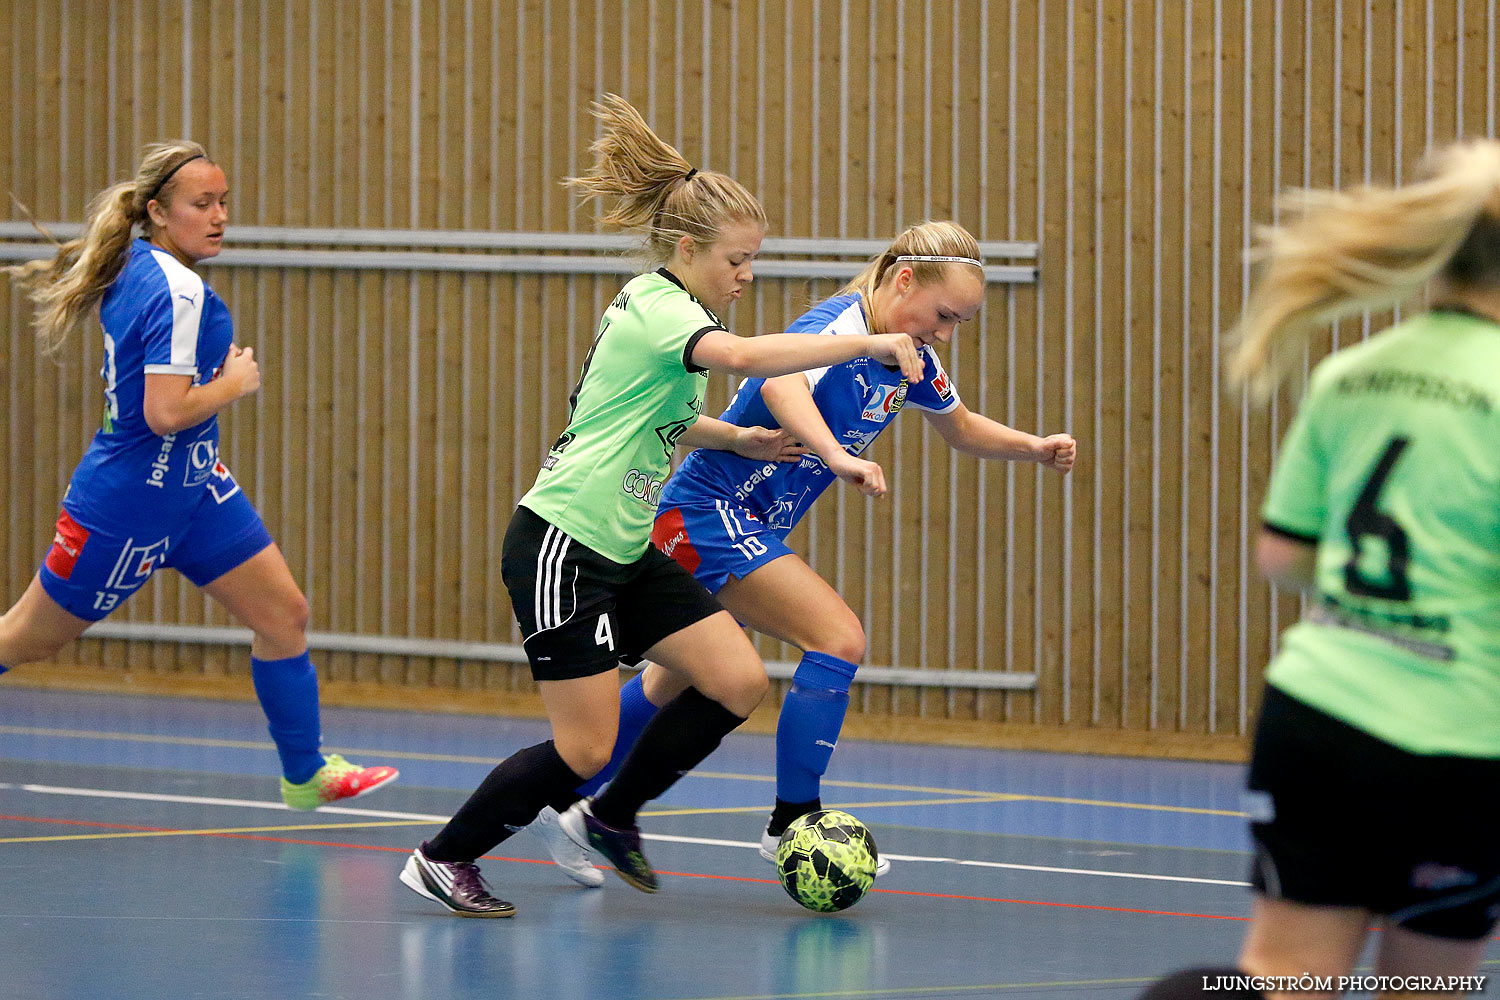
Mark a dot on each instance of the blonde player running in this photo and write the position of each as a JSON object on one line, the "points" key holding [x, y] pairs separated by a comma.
{"points": [[1374, 787], [725, 518], [151, 490], [586, 585]]}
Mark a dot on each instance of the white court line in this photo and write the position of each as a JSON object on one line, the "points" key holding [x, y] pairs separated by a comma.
{"points": [[203, 800], [198, 800]]}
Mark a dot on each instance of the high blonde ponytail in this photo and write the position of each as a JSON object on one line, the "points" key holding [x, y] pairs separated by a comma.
{"points": [[654, 188], [1345, 252], [66, 289]]}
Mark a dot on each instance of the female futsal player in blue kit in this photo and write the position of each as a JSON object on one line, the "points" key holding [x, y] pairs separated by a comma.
{"points": [[725, 518], [151, 490]]}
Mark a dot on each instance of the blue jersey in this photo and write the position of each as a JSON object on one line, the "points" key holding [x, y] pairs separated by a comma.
{"points": [[857, 399], [158, 318]]}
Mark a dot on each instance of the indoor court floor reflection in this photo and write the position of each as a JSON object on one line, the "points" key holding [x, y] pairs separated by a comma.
{"points": [[144, 853]]}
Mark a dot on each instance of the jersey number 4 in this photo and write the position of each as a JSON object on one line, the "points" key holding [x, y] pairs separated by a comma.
{"points": [[1367, 524], [603, 635]]}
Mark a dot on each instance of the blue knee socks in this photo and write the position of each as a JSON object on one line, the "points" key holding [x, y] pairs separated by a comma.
{"points": [[811, 716], [288, 693], [635, 712]]}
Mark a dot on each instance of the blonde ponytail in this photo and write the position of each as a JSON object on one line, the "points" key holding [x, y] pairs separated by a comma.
{"points": [[654, 188], [66, 289], [1344, 252]]}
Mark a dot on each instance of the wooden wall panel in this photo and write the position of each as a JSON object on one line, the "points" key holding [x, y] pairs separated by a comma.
{"points": [[1137, 141]]}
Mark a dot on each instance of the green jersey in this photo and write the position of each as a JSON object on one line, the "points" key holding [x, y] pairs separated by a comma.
{"points": [[1392, 466], [637, 394]]}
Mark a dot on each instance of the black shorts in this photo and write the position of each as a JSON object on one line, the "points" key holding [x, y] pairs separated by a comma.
{"points": [[581, 613], [1340, 818]]}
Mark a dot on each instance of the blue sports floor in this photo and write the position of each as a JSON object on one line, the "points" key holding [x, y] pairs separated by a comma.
{"points": [[144, 853]]}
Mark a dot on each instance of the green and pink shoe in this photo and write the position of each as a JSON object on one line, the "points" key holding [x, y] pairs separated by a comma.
{"points": [[336, 779]]}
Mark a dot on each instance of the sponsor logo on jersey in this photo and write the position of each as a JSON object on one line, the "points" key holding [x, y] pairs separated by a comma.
{"points": [[558, 447], [859, 440], [670, 535], [202, 457], [671, 433], [885, 402], [67, 544], [941, 385], [759, 476], [158, 476], [782, 512], [642, 486]]}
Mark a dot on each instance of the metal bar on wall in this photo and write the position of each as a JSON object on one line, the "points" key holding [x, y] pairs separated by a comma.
{"points": [[391, 260], [475, 240], [391, 645]]}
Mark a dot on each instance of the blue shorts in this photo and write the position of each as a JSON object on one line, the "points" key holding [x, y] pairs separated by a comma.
{"points": [[716, 539], [91, 571]]}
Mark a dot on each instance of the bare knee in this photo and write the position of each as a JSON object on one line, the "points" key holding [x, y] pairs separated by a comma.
{"points": [[844, 639], [586, 757], [742, 688], [280, 624]]}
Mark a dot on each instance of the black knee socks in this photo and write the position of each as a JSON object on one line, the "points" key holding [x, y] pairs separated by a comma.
{"points": [[684, 732], [509, 798]]}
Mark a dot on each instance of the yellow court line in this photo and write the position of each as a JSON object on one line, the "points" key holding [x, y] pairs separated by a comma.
{"points": [[203, 741], [134, 834], [970, 794], [185, 741]]}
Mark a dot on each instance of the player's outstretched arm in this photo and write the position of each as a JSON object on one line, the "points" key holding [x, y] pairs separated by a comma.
{"points": [[1285, 561], [783, 353], [790, 401], [767, 444], [171, 403], [978, 435]]}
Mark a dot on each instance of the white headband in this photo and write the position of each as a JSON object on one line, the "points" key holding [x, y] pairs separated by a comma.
{"points": [[939, 259]]}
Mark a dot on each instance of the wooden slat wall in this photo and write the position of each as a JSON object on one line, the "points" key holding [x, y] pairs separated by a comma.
{"points": [[403, 413]]}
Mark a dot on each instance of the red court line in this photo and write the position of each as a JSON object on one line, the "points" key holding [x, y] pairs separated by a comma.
{"points": [[84, 822]]}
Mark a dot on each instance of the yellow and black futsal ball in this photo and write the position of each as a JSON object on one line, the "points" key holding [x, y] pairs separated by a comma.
{"points": [[826, 860]]}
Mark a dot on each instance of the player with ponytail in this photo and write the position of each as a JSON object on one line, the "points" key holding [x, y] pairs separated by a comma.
{"points": [[1381, 718], [152, 489]]}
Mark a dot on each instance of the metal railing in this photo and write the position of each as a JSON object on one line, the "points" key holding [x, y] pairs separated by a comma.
{"points": [[494, 652], [511, 252]]}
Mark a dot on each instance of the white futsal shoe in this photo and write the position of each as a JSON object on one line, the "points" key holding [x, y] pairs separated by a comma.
{"points": [[769, 842], [572, 859]]}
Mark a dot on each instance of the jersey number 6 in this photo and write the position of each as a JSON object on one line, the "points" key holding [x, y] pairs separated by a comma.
{"points": [[1366, 522]]}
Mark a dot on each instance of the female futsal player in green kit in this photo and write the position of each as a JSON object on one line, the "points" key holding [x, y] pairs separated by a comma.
{"points": [[586, 585], [1376, 765]]}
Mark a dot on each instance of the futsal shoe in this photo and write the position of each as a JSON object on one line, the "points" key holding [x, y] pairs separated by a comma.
{"points": [[336, 779], [572, 859], [769, 842], [621, 848], [455, 885]]}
